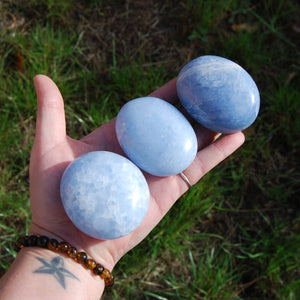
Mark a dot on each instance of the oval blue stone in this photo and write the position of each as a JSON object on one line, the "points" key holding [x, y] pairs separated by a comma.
{"points": [[104, 194], [218, 93], [156, 136]]}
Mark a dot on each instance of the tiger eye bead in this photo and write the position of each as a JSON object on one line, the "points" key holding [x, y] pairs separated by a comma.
{"points": [[20, 243], [109, 282], [25, 241], [32, 240], [63, 247], [81, 257], [90, 264], [72, 252], [42, 241], [98, 270], [52, 244], [105, 274]]}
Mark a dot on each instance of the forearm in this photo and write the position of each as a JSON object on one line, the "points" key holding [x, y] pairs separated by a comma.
{"points": [[39, 273]]}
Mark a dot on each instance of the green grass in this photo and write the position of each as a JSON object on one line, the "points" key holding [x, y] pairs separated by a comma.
{"points": [[235, 235]]}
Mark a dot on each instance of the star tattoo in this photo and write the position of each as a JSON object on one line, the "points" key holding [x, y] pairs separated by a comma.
{"points": [[56, 268]]}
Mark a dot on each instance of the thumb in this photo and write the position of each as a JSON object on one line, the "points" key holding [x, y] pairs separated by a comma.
{"points": [[50, 123]]}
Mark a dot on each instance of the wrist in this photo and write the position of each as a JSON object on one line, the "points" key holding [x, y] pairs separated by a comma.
{"points": [[62, 269], [38, 273], [66, 251]]}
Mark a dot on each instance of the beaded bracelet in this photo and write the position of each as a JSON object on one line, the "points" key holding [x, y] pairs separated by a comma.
{"points": [[70, 251]]}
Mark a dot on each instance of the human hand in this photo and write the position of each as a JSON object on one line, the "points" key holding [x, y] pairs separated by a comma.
{"points": [[53, 150]]}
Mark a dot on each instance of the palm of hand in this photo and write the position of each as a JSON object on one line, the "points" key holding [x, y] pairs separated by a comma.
{"points": [[53, 150]]}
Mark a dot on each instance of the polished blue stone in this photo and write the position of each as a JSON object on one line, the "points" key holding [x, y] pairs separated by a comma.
{"points": [[218, 93], [156, 136], [104, 194]]}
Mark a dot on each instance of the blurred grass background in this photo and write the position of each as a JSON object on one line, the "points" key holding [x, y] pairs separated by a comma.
{"points": [[235, 235]]}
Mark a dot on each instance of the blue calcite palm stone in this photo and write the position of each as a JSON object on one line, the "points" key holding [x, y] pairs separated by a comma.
{"points": [[156, 136], [218, 93], [104, 194]]}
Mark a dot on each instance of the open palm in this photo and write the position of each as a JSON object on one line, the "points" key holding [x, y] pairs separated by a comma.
{"points": [[53, 150]]}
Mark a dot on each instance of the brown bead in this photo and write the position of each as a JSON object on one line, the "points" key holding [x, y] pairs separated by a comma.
{"points": [[90, 264], [52, 244], [109, 282], [72, 252], [81, 257], [98, 270], [63, 247], [105, 274]]}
